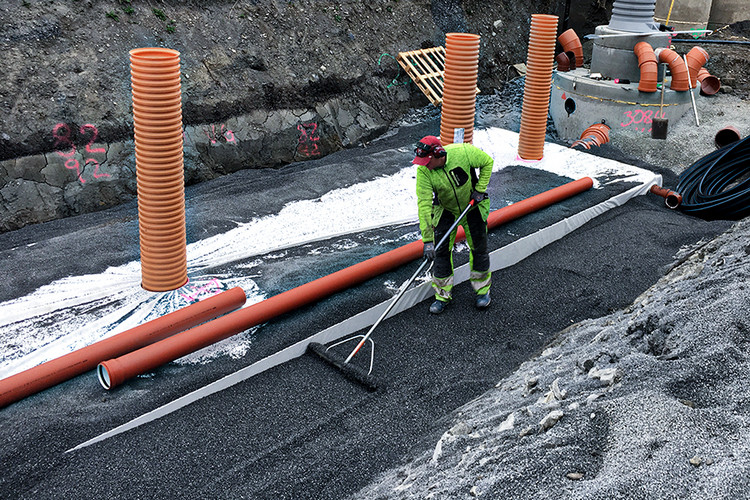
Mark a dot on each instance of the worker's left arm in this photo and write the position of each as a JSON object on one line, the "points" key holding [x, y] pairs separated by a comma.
{"points": [[484, 162]]}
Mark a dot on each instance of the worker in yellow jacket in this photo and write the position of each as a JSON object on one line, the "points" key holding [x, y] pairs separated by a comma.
{"points": [[447, 179]]}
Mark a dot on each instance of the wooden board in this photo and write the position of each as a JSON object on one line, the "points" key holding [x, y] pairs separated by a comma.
{"points": [[426, 68]]}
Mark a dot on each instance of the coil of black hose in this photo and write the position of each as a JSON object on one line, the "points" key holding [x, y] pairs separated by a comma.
{"points": [[718, 185]]}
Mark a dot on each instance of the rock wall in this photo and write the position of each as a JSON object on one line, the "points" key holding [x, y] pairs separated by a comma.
{"points": [[265, 83]]}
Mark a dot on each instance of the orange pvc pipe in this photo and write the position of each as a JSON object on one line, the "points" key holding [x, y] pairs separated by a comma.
{"points": [[459, 86], [648, 65], [157, 120], [671, 198], [595, 135], [53, 372], [570, 42], [680, 77], [697, 57], [536, 95], [114, 372]]}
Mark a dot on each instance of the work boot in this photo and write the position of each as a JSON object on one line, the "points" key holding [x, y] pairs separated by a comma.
{"points": [[438, 306], [483, 301]]}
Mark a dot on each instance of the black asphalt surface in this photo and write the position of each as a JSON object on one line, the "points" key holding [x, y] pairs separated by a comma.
{"points": [[301, 430]]}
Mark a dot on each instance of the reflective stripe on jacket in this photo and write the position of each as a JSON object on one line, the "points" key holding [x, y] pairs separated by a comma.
{"points": [[453, 185]]}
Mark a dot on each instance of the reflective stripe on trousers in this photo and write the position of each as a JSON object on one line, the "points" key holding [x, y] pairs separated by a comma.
{"points": [[443, 287], [480, 281]]}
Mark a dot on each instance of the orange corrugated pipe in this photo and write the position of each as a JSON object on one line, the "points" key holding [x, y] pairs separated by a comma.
{"points": [[115, 371], [570, 42], [595, 135], [53, 372], [536, 93], [459, 86], [157, 119], [648, 65], [680, 77], [697, 57], [709, 83]]}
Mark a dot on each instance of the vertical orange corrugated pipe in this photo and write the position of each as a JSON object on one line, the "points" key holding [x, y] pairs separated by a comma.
{"points": [[459, 86], [157, 118], [541, 56]]}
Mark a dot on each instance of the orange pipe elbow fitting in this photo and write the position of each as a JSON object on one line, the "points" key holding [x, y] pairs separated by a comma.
{"points": [[55, 371], [710, 84], [563, 63], [595, 135], [680, 77], [157, 121], [570, 42], [697, 57], [648, 65], [115, 371], [536, 95], [459, 86]]}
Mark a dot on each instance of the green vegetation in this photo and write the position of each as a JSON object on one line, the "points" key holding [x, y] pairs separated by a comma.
{"points": [[159, 13], [112, 15]]}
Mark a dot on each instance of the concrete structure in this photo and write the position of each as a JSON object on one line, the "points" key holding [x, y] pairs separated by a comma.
{"points": [[583, 97], [578, 101], [727, 12], [686, 14]]}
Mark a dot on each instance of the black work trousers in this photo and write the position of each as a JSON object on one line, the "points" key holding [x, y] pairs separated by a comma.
{"points": [[476, 238]]}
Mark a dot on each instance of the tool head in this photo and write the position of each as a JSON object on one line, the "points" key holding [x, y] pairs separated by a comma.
{"points": [[349, 370]]}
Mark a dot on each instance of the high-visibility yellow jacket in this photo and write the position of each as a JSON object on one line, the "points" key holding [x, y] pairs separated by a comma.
{"points": [[452, 184]]}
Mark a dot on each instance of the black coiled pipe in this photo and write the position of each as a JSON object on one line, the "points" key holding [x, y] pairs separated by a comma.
{"points": [[718, 185]]}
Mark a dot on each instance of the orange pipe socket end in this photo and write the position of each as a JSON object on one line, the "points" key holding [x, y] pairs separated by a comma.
{"points": [[459, 87], [710, 84], [53, 372], [671, 198], [536, 94], [114, 372], [157, 120]]}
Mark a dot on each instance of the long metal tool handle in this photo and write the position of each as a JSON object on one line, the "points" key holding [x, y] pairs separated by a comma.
{"points": [[692, 96], [408, 282]]}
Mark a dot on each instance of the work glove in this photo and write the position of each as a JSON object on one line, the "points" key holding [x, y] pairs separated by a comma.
{"points": [[429, 251], [477, 197]]}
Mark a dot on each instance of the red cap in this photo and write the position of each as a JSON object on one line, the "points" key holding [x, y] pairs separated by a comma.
{"points": [[429, 144]]}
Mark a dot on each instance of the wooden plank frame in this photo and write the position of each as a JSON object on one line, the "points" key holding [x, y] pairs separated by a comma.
{"points": [[426, 68]]}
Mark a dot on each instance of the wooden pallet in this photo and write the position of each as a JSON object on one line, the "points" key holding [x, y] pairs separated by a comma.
{"points": [[426, 68]]}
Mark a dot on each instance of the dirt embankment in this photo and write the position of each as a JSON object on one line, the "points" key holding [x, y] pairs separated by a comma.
{"points": [[264, 84]]}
